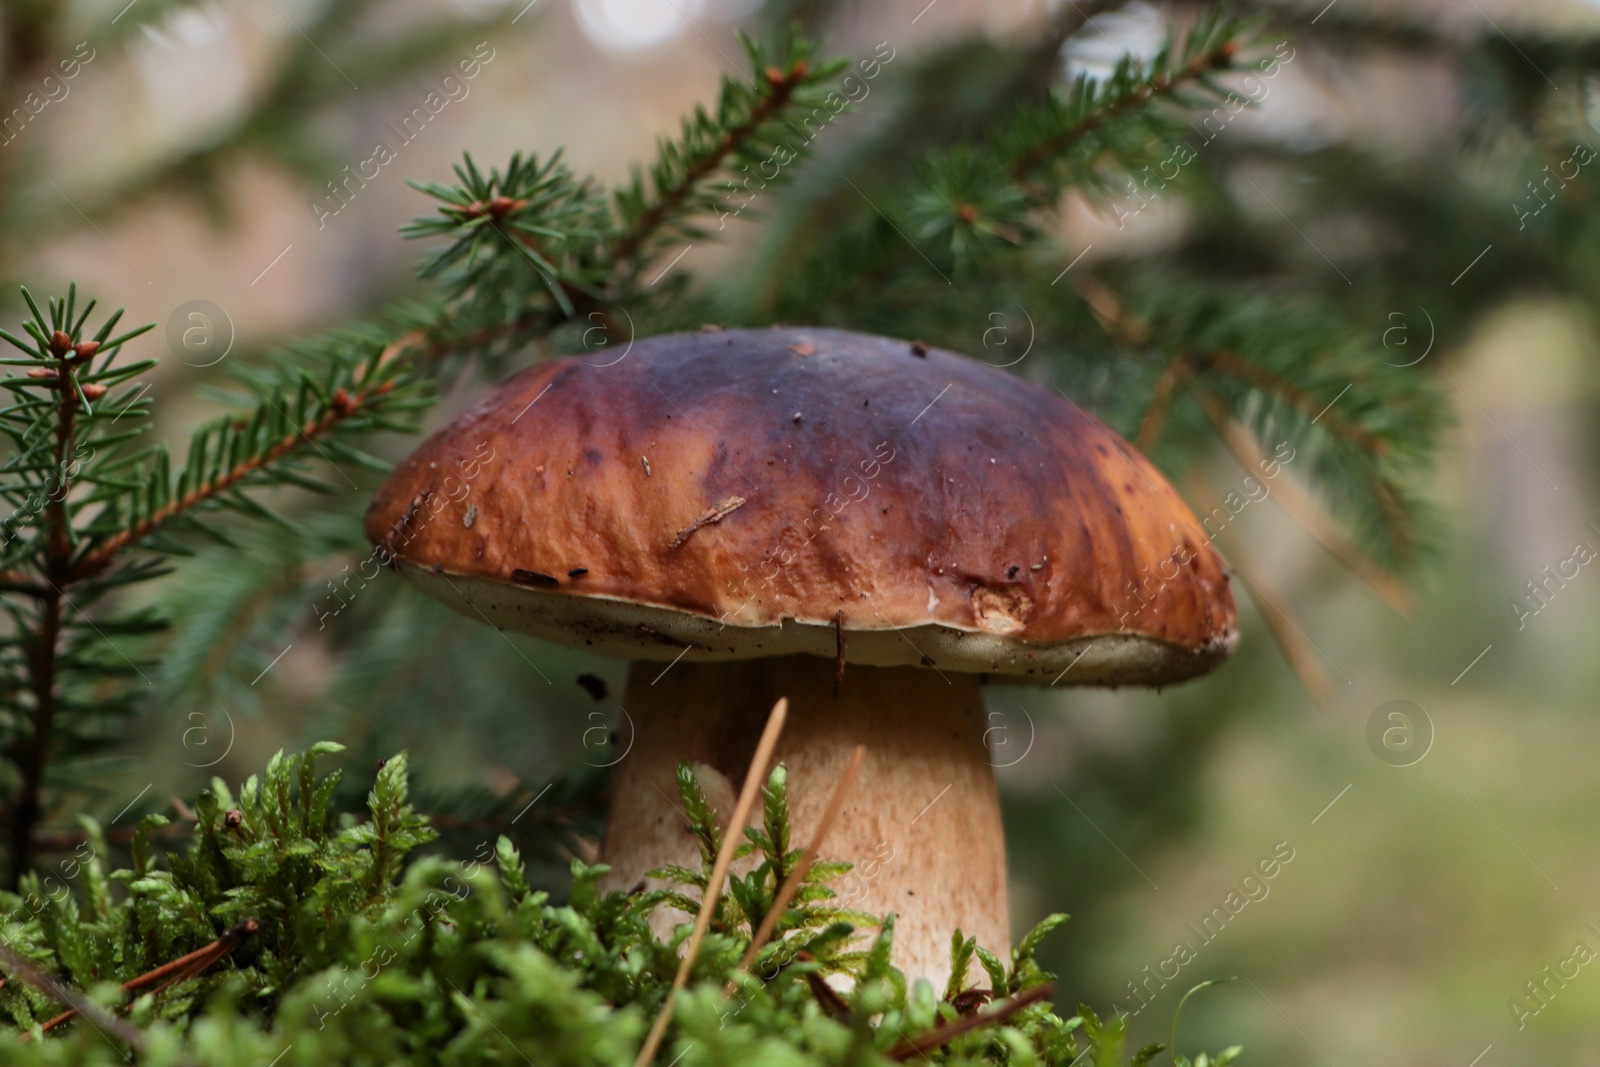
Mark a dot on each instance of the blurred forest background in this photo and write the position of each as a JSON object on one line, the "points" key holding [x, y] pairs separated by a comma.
{"points": [[1399, 165]]}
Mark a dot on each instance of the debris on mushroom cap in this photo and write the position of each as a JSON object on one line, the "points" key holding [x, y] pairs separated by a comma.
{"points": [[967, 517], [714, 514]]}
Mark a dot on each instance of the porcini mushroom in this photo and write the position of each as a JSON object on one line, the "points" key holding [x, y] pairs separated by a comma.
{"points": [[865, 526]]}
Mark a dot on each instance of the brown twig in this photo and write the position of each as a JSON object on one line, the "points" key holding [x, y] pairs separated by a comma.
{"points": [[1296, 649], [710, 516], [180, 969], [103, 1020], [1160, 401], [947, 1032], [753, 778]]}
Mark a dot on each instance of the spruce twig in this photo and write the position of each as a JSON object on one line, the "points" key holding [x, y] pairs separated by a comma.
{"points": [[1156, 87], [300, 439]]}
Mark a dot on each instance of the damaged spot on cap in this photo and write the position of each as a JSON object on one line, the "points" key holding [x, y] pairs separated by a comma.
{"points": [[1001, 609], [533, 577]]}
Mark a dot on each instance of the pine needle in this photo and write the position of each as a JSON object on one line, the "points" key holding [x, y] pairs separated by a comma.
{"points": [[175, 971], [101, 1019], [753, 778]]}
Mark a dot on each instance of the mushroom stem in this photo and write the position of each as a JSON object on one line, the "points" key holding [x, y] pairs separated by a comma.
{"points": [[921, 826]]}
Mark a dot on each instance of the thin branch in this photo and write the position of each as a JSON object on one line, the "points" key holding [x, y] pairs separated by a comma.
{"points": [[299, 438], [783, 86], [1232, 364], [1296, 649], [103, 1020], [1315, 409], [1218, 58], [175, 971], [948, 1032], [1161, 401], [1300, 507]]}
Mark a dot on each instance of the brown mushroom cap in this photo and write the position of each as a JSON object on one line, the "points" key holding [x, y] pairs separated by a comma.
{"points": [[766, 492]]}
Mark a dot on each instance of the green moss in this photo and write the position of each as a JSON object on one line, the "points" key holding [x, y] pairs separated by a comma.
{"points": [[360, 953]]}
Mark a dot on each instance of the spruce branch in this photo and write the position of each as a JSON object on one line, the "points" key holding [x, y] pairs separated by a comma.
{"points": [[53, 417], [1312, 518], [706, 145], [280, 438], [1293, 370], [978, 205], [93, 513], [1093, 104], [583, 247]]}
